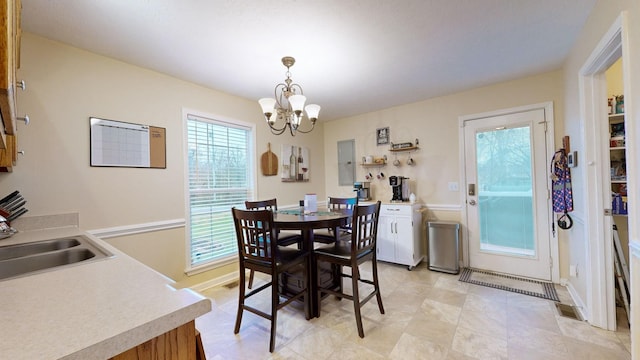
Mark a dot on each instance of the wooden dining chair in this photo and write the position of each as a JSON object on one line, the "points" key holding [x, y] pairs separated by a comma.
{"points": [[329, 236], [284, 239], [258, 250], [360, 249]]}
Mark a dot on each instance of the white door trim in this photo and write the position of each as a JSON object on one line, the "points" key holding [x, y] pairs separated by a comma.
{"points": [[549, 118], [600, 302]]}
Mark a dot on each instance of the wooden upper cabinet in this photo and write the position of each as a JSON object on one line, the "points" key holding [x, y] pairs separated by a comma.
{"points": [[10, 32]]}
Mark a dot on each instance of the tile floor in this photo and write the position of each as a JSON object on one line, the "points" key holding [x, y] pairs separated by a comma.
{"points": [[428, 315]]}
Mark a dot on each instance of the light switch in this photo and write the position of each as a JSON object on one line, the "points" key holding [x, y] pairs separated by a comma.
{"points": [[573, 270], [453, 186]]}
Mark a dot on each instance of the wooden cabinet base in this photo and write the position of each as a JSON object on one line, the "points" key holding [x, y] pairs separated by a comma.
{"points": [[181, 343]]}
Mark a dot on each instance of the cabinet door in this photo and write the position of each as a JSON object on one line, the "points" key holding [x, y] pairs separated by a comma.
{"points": [[386, 239], [404, 240]]}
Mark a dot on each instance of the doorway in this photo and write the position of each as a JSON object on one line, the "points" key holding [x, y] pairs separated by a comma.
{"points": [[507, 206], [600, 280]]}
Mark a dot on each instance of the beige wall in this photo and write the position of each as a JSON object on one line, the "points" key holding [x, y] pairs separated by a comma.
{"points": [[602, 17], [615, 86], [435, 123], [65, 86]]}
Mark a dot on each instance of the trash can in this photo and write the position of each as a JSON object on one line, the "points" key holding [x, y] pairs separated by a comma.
{"points": [[444, 246]]}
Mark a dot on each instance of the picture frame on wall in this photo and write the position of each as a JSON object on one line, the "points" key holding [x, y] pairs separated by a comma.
{"points": [[382, 136], [295, 163]]}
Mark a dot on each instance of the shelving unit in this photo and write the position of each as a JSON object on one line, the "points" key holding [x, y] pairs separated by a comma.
{"points": [[410, 161], [412, 148], [373, 165], [617, 158]]}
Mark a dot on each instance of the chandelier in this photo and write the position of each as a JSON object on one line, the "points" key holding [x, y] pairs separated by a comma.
{"points": [[285, 111]]}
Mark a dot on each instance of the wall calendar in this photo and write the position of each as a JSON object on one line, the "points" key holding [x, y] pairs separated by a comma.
{"points": [[123, 144]]}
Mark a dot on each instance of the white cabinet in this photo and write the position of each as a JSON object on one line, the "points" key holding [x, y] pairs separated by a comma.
{"points": [[399, 234]]}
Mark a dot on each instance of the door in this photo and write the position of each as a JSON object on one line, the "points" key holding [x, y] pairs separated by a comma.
{"points": [[404, 240], [507, 206], [386, 239]]}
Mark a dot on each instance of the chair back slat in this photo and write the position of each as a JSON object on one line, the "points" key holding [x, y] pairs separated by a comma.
{"points": [[254, 231], [365, 224]]}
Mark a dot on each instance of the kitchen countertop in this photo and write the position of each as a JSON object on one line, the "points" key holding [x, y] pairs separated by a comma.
{"points": [[92, 310]]}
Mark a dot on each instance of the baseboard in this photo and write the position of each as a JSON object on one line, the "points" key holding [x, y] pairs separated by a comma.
{"points": [[219, 281], [580, 306]]}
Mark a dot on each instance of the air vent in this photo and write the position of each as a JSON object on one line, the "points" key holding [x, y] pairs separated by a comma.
{"points": [[568, 311]]}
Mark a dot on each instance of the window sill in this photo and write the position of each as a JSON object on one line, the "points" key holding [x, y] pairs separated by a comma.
{"points": [[210, 266]]}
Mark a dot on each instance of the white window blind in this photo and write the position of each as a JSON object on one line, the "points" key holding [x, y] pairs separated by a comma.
{"points": [[220, 177]]}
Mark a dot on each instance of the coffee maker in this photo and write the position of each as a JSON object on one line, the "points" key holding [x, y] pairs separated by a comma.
{"points": [[363, 188], [400, 187]]}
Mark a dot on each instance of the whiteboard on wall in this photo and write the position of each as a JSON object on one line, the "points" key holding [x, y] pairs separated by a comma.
{"points": [[123, 144]]}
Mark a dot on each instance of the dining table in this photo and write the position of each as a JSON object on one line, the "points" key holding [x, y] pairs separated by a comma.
{"points": [[306, 223]]}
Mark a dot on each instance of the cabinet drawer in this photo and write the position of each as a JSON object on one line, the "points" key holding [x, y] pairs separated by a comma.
{"points": [[386, 210]]}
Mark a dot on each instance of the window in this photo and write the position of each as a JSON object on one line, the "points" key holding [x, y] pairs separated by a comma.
{"points": [[220, 176]]}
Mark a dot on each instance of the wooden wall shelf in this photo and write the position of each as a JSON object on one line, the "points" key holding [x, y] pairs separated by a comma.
{"points": [[405, 149]]}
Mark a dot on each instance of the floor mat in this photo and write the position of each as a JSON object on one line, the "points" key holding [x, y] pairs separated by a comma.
{"points": [[515, 284]]}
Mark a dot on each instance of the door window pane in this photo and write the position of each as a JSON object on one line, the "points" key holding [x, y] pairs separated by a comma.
{"points": [[505, 192]]}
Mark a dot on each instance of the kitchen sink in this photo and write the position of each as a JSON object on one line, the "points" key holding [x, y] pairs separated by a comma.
{"points": [[24, 259], [20, 250]]}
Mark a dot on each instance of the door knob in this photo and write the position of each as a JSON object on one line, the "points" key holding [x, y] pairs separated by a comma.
{"points": [[472, 202]]}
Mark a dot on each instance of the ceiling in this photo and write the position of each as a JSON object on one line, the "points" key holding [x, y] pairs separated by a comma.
{"points": [[352, 56]]}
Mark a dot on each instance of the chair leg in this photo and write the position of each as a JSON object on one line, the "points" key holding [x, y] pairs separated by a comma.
{"points": [[340, 279], [374, 268], [319, 300], [240, 300], [336, 270], [275, 301], [355, 275], [307, 295], [338, 275], [251, 272]]}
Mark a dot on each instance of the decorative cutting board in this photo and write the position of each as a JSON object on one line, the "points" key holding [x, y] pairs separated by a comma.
{"points": [[269, 162]]}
